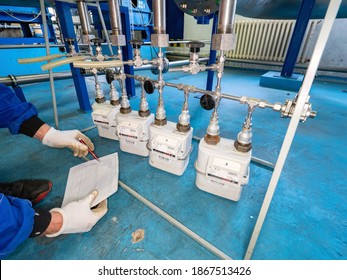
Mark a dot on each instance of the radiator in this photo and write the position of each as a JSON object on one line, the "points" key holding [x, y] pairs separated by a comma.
{"points": [[268, 40]]}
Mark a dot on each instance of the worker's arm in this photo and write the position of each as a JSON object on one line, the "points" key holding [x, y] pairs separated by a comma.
{"points": [[22, 117], [16, 223], [18, 220], [18, 116]]}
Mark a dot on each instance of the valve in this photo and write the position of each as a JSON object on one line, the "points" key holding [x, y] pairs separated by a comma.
{"points": [[71, 44], [70, 41], [207, 102], [195, 46], [288, 107], [97, 41], [136, 43]]}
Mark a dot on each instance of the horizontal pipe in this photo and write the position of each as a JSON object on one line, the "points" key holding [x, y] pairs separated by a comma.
{"points": [[98, 64], [62, 45], [29, 79], [61, 62], [39, 58]]}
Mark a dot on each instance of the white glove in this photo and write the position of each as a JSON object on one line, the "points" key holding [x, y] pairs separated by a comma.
{"points": [[68, 139], [78, 215]]}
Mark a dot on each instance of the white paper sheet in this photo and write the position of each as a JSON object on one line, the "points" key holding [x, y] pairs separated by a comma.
{"points": [[93, 175]]}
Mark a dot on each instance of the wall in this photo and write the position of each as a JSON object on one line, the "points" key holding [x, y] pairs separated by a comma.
{"points": [[334, 56]]}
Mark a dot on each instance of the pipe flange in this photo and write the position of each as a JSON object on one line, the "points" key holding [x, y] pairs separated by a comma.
{"points": [[100, 100], [115, 102], [244, 148], [125, 110], [144, 114], [212, 139], [183, 128], [160, 122]]}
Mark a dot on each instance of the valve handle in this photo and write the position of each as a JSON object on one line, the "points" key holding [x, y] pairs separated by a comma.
{"points": [[70, 41], [207, 102], [148, 86], [83, 71], [109, 76], [195, 46], [97, 41], [136, 43]]}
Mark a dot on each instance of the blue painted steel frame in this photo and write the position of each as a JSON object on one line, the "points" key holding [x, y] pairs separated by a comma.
{"points": [[213, 55], [297, 37], [64, 14], [67, 27], [128, 52]]}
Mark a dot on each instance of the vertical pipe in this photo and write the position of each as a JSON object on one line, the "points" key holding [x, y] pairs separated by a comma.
{"points": [[83, 14], [104, 27], [213, 56], [288, 139], [226, 16], [45, 32], [115, 19], [159, 16]]}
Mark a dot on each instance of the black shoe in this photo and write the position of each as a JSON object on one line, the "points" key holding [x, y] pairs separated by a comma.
{"points": [[33, 190]]}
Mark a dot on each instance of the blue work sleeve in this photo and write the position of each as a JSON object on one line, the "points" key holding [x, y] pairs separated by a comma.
{"points": [[16, 223], [13, 112]]}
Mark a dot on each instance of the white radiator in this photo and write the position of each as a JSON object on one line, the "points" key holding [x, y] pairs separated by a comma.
{"points": [[268, 40]]}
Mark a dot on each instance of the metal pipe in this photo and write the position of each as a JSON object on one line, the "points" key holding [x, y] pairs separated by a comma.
{"points": [[226, 16], [62, 45], [178, 42], [159, 16], [29, 79], [83, 14], [104, 27], [115, 19], [45, 32], [288, 139]]}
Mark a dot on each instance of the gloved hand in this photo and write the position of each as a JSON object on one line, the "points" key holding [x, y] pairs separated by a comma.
{"points": [[78, 215], [68, 139]]}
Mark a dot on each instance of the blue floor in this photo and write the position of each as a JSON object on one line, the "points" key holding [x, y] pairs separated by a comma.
{"points": [[307, 218]]}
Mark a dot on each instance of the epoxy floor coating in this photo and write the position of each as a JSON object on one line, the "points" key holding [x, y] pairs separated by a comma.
{"points": [[307, 217]]}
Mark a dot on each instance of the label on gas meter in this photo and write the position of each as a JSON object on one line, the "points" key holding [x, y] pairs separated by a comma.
{"points": [[165, 145], [225, 170], [128, 130], [100, 117]]}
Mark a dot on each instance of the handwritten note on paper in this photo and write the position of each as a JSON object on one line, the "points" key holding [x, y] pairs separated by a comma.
{"points": [[93, 175]]}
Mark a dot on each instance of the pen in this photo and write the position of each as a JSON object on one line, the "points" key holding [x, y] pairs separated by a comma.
{"points": [[89, 150]]}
